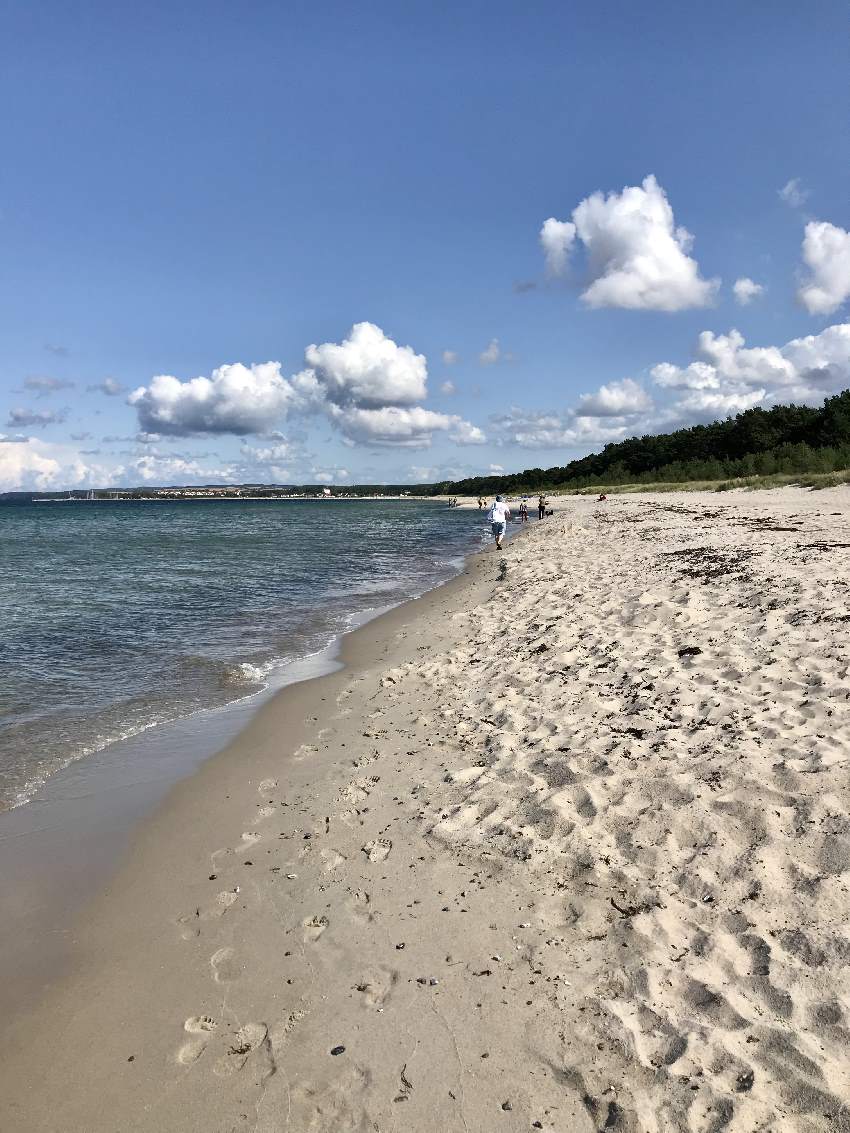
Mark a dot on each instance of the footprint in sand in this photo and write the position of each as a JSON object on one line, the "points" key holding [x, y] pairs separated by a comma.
{"points": [[249, 839], [253, 1037], [333, 1102], [332, 859], [190, 924], [377, 985], [314, 927], [224, 966], [360, 905], [200, 1027], [378, 850]]}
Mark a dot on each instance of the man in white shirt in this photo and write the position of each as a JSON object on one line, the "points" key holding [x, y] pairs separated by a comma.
{"points": [[499, 514]]}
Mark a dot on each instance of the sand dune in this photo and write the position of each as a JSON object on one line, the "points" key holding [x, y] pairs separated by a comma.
{"points": [[568, 849]]}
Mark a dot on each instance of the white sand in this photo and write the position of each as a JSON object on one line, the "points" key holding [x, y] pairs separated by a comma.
{"points": [[567, 848]]}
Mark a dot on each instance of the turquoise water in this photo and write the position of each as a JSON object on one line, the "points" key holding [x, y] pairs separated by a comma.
{"points": [[117, 616]]}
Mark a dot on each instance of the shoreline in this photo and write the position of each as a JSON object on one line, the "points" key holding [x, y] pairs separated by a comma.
{"points": [[87, 806], [566, 842]]}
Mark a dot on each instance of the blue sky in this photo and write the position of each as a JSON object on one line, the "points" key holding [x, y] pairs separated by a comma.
{"points": [[189, 190]]}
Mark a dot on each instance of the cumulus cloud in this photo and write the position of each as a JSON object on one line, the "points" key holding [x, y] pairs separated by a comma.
{"points": [[746, 290], [168, 469], [450, 357], [826, 253], [330, 475], [448, 388], [637, 257], [278, 453], [39, 418], [491, 353], [551, 429], [433, 473], [793, 193], [403, 427], [556, 239], [44, 386], [616, 399], [728, 377], [27, 463], [368, 370], [234, 399], [273, 461], [367, 386], [725, 378], [59, 351], [23, 465], [110, 386]]}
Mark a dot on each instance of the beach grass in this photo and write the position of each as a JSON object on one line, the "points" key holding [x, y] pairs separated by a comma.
{"points": [[814, 480]]}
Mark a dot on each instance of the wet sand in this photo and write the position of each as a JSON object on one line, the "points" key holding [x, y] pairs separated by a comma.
{"points": [[564, 846]]}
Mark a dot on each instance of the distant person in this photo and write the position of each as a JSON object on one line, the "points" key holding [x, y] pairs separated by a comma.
{"points": [[480, 503], [523, 511], [602, 498], [498, 515], [542, 504]]}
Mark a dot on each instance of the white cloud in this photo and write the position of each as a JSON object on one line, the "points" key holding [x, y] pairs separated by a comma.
{"points": [[556, 239], [44, 386], [399, 426], [705, 405], [724, 360], [30, 464], [280, 452], [23, 465], [729, 377], [490, 354], [826, 253], [234, 399], [426, 474], [448, 388], [39, 418], [746, 290], [167, 469], [821, 361], [616, 399], [532, 429], [330, 475], [110, 386], [464, 433], [368, 370], [793, 193], [495, 468], [726, 378], [367, 386], [637, 257], [449, 357]]}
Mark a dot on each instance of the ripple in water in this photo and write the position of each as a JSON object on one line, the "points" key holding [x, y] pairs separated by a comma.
{"points": [[118, 616]]}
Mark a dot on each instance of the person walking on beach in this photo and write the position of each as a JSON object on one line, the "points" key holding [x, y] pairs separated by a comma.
{"points": [[523, 511], [480, 503], [499, 514], [541, 506]]}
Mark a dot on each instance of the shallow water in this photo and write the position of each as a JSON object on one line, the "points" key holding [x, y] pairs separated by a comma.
{"points": [[117, 616]]}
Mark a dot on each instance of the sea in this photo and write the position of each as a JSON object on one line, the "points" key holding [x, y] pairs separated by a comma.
{"points": [[118, 616]]}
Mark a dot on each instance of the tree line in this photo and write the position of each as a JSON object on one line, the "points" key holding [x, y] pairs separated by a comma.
{"points": [[784, 439]]}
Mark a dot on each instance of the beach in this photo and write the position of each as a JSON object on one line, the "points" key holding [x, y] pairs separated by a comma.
{"points": [[563, 845]]}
